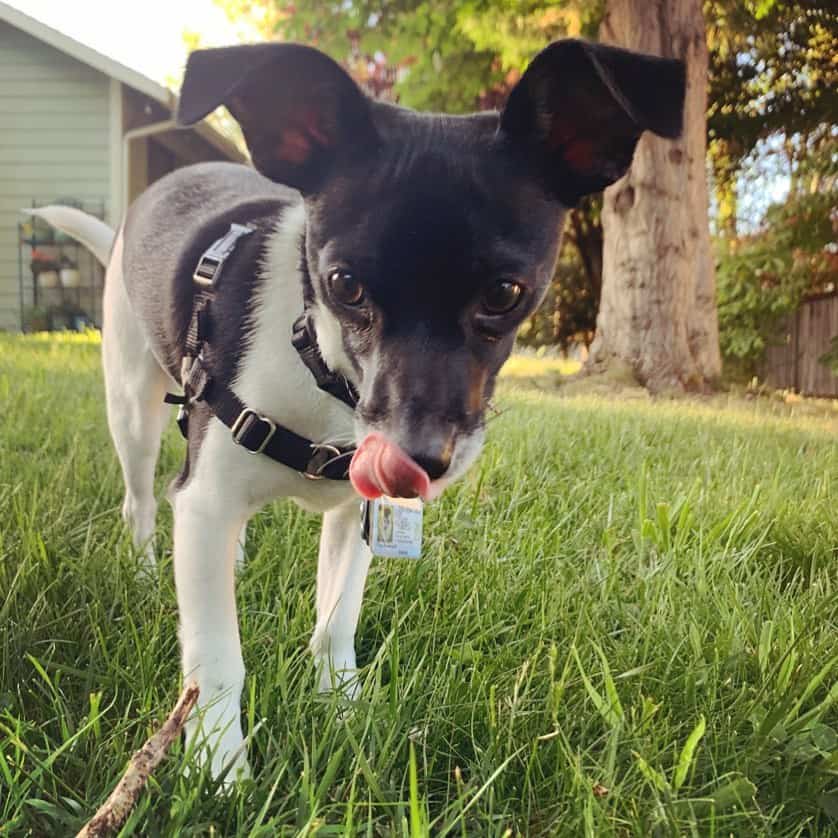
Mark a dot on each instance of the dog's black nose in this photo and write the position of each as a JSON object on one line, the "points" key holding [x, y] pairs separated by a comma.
{"points": [[434, 466]]}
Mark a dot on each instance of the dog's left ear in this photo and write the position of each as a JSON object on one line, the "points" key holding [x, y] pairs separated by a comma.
{"points": [[298, 109], [580, 108]]}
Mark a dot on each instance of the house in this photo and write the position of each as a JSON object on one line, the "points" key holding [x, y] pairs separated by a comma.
{"points": [[77, 127]]}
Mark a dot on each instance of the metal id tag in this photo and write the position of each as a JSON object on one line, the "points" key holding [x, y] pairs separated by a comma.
{"points": [[393, 527]]}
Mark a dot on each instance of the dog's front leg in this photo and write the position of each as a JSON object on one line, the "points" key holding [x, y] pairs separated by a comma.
{"points": [[206, 534], [342, 568]]}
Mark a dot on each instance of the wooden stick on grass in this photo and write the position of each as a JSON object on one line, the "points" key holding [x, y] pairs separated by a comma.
{"points": [[115, 810]]}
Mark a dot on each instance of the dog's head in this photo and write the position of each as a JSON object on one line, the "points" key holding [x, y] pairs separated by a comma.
{"points": [[430, 238]]}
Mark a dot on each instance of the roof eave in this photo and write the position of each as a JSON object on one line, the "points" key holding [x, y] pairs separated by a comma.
{"points": [[113, 69], [81, 52]]}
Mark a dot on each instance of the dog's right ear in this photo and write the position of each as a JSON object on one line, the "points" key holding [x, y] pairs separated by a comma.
{"points": [[299, 110]]}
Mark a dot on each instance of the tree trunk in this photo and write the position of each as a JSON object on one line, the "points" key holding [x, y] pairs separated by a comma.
{"points": [[658, 309]]}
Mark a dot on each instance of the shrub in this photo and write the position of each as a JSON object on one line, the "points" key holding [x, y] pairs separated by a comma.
{"points": [[762, 278]]}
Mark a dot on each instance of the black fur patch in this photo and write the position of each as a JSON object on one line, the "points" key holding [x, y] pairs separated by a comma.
{"points": [[438, 214], [162, 248]]}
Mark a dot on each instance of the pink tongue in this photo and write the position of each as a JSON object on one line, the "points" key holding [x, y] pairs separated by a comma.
{"points": [[381, 468]]}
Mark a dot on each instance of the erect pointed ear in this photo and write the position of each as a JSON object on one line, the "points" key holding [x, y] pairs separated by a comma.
{"points": [[298, 109], [580, 108]]}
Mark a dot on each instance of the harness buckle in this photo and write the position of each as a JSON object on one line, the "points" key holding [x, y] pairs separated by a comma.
{"points": [[194, 378], [212, 260], [206, 270], [250, 421], [185, 366], [324, 454]]}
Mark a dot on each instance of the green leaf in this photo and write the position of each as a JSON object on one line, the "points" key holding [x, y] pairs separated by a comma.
{"points": [[609, 713], [610, 687], [656, 778], [418, 819], [688, 753], [735, 793]]}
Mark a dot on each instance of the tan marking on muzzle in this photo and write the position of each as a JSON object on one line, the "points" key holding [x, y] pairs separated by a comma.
{"points": [[476, 389]]}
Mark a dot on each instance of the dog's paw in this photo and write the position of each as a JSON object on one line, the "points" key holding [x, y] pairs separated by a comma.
{"points": [[339, 676], [231, 768], [227, 768], [345, 682], [334, 660], [215, 741]]}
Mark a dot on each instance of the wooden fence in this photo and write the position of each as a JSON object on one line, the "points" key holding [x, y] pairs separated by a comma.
{"points": [[794, 363]]}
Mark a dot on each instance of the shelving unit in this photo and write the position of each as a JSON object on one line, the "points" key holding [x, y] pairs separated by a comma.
{"points": [[60, 307]]}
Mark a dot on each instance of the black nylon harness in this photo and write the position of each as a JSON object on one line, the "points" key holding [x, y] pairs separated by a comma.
{"points": [[256, 433]]}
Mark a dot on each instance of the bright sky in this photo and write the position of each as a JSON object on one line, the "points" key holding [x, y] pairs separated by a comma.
{"points": [[145, 35]]}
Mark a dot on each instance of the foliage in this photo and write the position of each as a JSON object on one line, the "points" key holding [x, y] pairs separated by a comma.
{"points": [[773, 74], [772, 71], [567, 316], [460, 53], [601, 638], [772, 68], [763, 277]]}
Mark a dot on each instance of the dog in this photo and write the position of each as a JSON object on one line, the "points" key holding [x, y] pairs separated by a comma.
{"points": [[413, 246]]}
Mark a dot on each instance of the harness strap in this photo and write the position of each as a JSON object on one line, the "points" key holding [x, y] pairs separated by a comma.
{"points": [[255, 433], [206, 276], [305, 342], [260, 435]]}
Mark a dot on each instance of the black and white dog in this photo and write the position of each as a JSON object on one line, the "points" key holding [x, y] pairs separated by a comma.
{"points": [[414, 244]]}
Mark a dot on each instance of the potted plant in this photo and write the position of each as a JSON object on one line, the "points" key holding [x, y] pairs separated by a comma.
{"points": [[69, 273], [35, 319], [63, 318], [37, 231], [44, 268]]}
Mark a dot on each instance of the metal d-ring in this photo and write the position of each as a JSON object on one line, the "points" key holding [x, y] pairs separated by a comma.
{"points": [[317, 472]]}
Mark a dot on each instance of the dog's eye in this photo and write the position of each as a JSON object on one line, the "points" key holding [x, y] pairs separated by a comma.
{"points": [[346, 287], [502, 297]]}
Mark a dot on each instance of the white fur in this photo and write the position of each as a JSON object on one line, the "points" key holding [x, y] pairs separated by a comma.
{"points": [[94, 234], [330, 340], [226, 485], [342, 565], [466, 450], [134, 386]]}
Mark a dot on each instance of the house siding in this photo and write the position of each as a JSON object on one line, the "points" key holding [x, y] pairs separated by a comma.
{"points": [[54, 143]]}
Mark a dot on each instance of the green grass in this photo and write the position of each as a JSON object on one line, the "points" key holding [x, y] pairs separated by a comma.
{"points": [[624, 624]]}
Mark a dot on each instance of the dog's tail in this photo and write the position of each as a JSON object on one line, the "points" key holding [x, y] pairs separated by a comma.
{"points": [[94, 234]]}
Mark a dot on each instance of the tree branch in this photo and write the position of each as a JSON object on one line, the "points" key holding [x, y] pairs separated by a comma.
{"points": [[113, 813]]}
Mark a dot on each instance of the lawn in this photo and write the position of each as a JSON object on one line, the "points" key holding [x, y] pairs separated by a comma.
{"points": [[625, 624]]}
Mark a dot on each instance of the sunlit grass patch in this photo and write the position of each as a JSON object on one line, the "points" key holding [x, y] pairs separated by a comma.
{"points": [[534, 366], [624, 624], [88, 336]]}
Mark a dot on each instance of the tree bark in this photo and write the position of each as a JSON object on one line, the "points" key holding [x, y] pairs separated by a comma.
{"points": [[658, 309]]}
